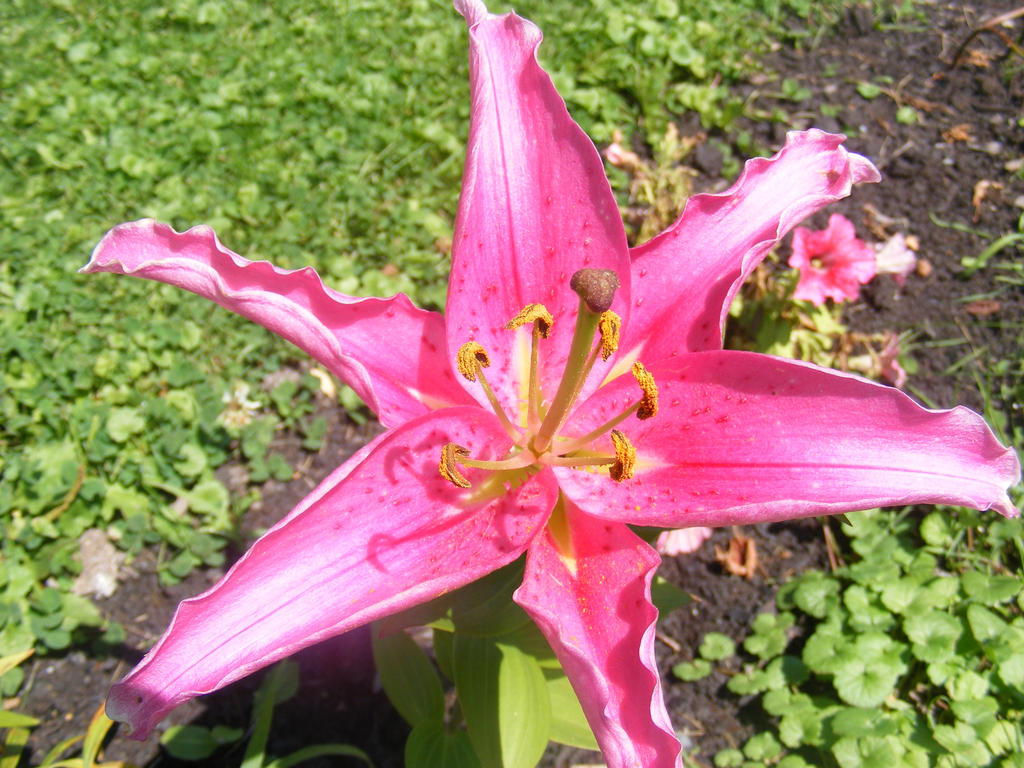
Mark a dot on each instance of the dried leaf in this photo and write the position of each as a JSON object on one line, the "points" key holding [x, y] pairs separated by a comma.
{"points": [[983, 307]]}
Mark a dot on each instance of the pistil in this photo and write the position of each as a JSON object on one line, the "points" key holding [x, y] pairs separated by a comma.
{"points": [[596, 289]]}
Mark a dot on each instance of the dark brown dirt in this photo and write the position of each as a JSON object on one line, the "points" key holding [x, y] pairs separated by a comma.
{"points": [[930, 177]]}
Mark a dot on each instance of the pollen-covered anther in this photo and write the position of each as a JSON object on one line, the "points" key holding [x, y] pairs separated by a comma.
{"points": [[533, 313], [472, 357], [609, 326], [649, 402], [451, 454], [625, 457]]}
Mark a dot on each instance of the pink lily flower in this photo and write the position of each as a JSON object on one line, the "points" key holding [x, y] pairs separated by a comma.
{"points": [[552, 449], [833, 262]]}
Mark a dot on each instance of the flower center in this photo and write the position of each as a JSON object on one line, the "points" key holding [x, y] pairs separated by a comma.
{"points": [[539, 440]]}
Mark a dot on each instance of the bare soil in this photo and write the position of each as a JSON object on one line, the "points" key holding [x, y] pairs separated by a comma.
{"points": [[968, 135]]}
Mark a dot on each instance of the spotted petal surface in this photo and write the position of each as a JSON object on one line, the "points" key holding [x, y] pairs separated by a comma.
{"points": [[390, 352], [747, 438], [382, 534], [535, 207]]}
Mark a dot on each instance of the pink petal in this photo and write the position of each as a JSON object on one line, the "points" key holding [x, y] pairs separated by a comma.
{"points": [[390, 352], [686, 277], [746, 438], [535, 207], [681, 541], [390, 533], [593, 604]]}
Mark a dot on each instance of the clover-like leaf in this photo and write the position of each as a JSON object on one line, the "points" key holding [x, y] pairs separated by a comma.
{"points": [[716, 647], [934, 635]]}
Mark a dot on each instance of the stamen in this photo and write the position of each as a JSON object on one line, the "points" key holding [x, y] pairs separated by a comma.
{"points": [[471, 361], [450, 455], [644, 408], [625, 457], [609, 326], [648, 406], [472, 357], [542, 321], [536, 314]]}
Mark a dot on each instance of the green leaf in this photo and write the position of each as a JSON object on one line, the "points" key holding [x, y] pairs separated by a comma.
{"points": [[863, 684], [408, 678], [716, 647], [280, 683], [568, 723], [966, 684], [801, 728], [934, 635], [899, 595], [728, 758], [209, 497], [991, 590], [17, 720], [122, 423], [937, 530], [79, 611], [763, 747], [907, 115], [868, 90], [865, 612], [863, 722], [863, 752], [961, 740], [505, 702], [485, 607], [985, 625], [815, 593], [667, 597], [444, 650], [319, 750], [193, 460], [194, 742], [688, 671], [431, 746]]}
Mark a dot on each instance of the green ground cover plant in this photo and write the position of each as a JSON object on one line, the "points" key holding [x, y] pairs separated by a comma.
{"points": [[910, 655]]}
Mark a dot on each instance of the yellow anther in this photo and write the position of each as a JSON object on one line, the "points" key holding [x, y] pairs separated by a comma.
{"points": [[609, 325], [649, 401], [533, 313], [625, 457], [450, 456], [472, 357]]}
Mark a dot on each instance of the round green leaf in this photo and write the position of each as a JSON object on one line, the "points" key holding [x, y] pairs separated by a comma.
{"points": [[122, 423], [716, 647], [689, 671]]}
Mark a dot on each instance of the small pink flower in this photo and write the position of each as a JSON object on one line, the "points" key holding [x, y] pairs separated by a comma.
{"points": [[889, 363], [681, 541], [893, 257], [833, 262]]}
